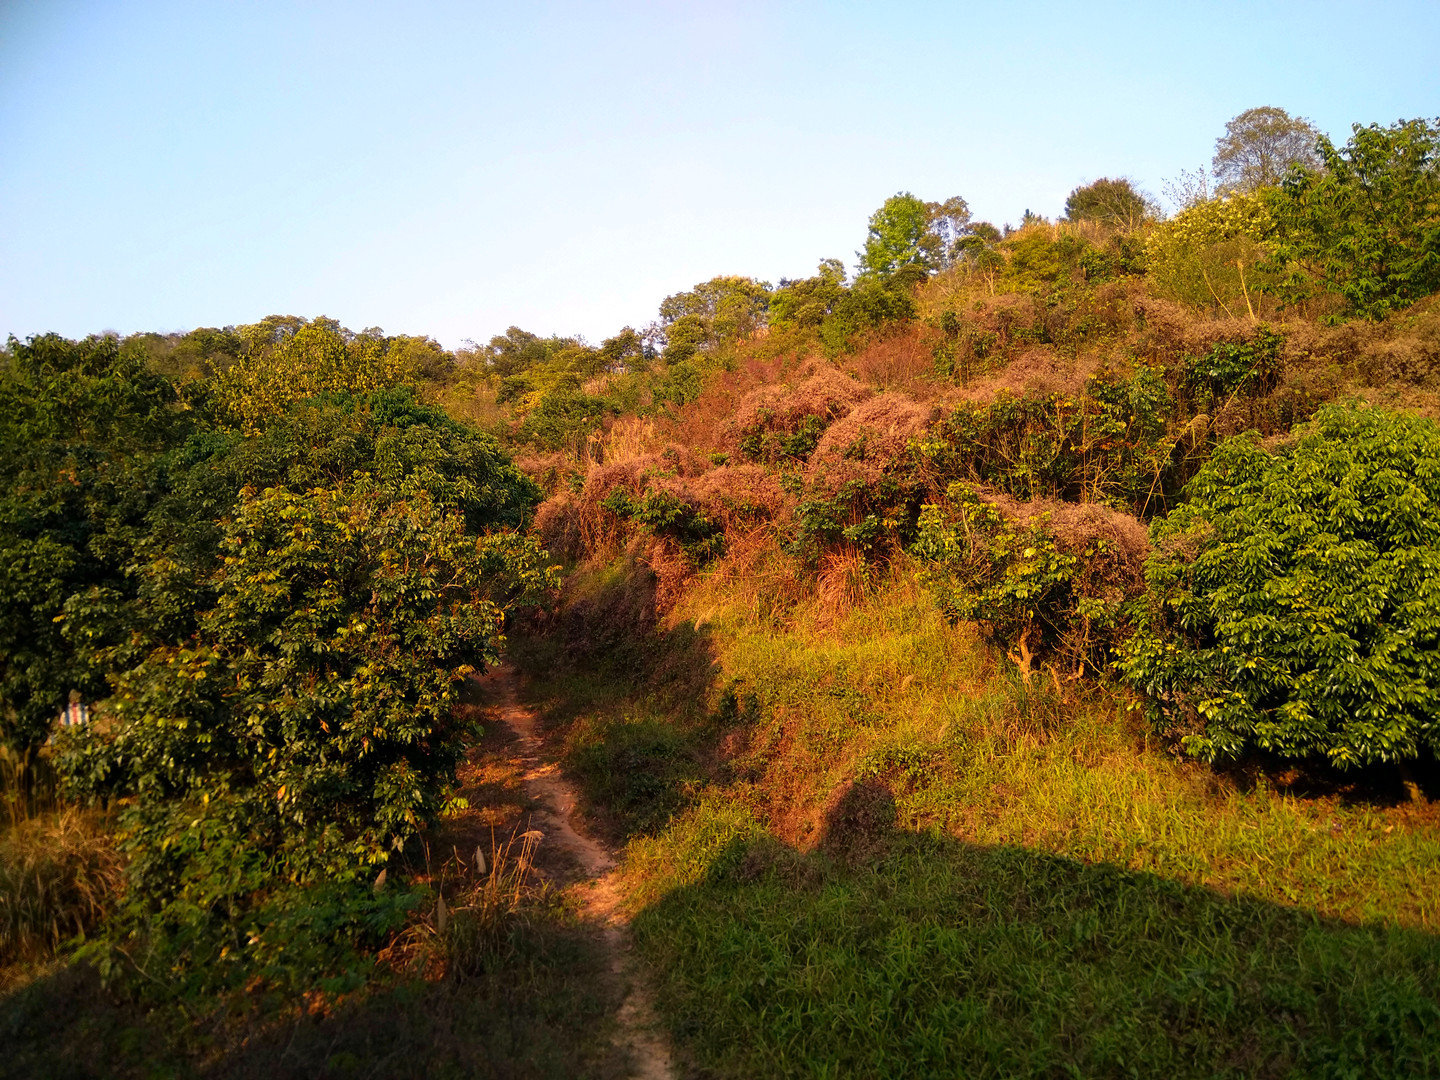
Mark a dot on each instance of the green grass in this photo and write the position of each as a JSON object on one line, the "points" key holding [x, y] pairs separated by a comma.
{"points": [[1044, 891], [942, 958]]}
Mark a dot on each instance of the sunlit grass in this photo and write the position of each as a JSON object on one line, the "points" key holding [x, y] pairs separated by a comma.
{"points": [[1059, 893]]}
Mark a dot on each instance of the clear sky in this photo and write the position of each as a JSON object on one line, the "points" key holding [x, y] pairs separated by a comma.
{"points": [[453, 169]]}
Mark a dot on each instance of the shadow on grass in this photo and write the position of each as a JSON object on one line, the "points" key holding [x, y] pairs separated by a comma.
{"points": [[543, 1011], [885, 953], [1379, 784]]}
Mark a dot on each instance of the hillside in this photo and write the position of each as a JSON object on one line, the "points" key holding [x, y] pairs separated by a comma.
{"points": [[1017, 658]]}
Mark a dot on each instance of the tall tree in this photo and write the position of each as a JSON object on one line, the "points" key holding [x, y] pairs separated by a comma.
{"points": [[908, 232], [1259, 147], [1368, 225], [1111, 202]]}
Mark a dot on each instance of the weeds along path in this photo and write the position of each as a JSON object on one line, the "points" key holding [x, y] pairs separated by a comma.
{"points": [[594, 881]]}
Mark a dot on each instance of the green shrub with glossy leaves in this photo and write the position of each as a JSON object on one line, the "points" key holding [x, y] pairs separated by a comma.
{"points": [[307, 729], [1295, 597], [84, 433]]}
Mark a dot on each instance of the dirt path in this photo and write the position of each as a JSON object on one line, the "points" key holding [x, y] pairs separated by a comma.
{"points": [[593, 879]]}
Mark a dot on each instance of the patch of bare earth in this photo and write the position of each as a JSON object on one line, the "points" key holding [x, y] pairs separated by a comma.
{"points": [[511, 781]]}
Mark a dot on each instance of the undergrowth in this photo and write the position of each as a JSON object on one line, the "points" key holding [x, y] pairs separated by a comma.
{"points": [[904, 858]]}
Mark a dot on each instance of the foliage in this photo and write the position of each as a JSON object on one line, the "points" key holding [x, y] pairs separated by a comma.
{"points": [[1110, 202], [1109, 443], [285, 360], [808, 301], [761, 442], [1204, 253], [1260, 147], [1230, 369], [1367, 226], [713, 313], [198, 354], [1294, 596], [561, 419], [867, 516], [666, 514], [84, 430], [306, 730], [907, 232], [1035, 588]]}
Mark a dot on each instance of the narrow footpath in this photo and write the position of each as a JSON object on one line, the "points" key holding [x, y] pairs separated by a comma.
{"points": [[586, 867]]}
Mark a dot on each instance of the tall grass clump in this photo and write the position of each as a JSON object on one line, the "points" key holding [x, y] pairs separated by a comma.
{"points": [[59, 873]]}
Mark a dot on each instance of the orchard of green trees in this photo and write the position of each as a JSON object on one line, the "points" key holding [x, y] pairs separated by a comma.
{"points": [[267, 556]]}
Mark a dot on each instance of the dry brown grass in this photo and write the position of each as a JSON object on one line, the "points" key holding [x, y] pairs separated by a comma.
{"points": [[844, 580], [629, 439], [903, 359], [703, 423], [759, 576], [864, 443], [739, 496], [823, 391], [1038, 370], [59, 872], [480, 896]]}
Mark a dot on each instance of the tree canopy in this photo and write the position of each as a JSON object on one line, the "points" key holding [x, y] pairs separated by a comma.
{"points": [[1367, 225], [907, 232], [1111, 202], [1259, 148]]}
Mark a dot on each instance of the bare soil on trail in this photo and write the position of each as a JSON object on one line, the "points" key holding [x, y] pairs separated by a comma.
{"points": [[519, 782]]}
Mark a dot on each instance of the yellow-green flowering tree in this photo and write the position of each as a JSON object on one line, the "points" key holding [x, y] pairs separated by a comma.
{"points": [[1207, 254]]}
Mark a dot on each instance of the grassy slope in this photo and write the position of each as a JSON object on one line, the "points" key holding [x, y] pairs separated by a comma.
{"points": [[899, 861]]}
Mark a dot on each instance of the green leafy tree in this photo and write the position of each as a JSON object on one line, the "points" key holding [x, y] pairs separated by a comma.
{"points": [[1294, 599], [1110, 202], [1259, 148], [516, 351], [809, 301], [713, 313], [84, 435], [285, 359], [1368, 225], [909, 233]]}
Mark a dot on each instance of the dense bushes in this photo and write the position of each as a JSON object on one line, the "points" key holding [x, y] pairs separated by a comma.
{"points": [[1294, 600], [268, 599], [84, 434], [1044, 581], [306, 729]]}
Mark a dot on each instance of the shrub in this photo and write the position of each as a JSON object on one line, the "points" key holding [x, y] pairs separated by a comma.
{"points": [[666, 514], [1230, 369], [1109, 442], [1208, 253], [1041, 580], [306, 730], [1368, 226], [1294, 602]]}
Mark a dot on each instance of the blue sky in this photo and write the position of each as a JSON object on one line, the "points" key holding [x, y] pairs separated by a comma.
{"points": [[453, 169]]}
